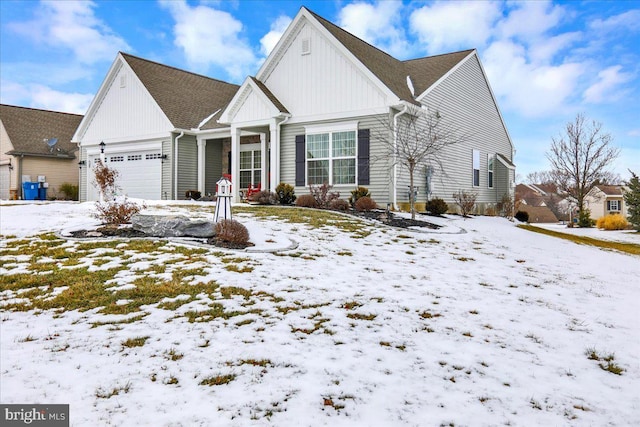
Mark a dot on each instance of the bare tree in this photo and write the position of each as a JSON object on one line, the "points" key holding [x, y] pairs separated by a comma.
{"points": [[580, 158], [416, 141], [542, 177]]}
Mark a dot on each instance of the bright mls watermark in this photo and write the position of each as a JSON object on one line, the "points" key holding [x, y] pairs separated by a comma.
{"points": [[34, 415]]}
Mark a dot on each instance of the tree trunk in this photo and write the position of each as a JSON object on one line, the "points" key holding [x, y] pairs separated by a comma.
{"points": [[412, 201]]}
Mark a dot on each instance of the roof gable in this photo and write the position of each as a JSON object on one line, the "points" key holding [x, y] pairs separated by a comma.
{"points": [[186, 98], [30, 128], [253, 101]]}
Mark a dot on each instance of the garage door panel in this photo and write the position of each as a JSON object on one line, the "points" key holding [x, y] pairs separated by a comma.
{"points": [[139, 173], [5, 175]]}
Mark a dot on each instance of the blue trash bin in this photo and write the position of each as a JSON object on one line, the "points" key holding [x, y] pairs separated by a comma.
{"points": [[30, 190], [42, 193]]}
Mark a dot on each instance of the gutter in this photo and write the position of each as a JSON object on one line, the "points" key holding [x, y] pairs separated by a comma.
{"points": [[276, 167], [175, 165], [405, 107]]}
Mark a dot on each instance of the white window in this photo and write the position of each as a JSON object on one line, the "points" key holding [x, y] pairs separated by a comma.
{"points": [[116, 159], [331, 158], [613, 205], [250, 168], [153, 156], [134, 157], [490, 159], [476, 168]]}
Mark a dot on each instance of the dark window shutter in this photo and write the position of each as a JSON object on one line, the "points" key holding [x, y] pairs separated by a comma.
{"points": [[300, 160], [608, 205], [363, 157], [229, 163]]}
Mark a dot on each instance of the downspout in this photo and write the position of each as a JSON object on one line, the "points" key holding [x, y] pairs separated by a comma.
{"points": [[19, 178], [175, 165], [276, 169], [395, 165]]}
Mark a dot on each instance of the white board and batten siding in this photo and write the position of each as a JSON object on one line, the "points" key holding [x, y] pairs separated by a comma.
{"points": [[379, 172], [465, 99], [322, 81], [253, 108], [127, 110]]}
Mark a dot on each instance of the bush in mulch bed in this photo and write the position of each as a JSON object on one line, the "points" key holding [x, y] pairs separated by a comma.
{"points": [[231, 234]]}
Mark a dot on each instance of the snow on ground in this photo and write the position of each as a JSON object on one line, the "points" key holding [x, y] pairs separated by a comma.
{"points": [[487, 327], [625, 236]]}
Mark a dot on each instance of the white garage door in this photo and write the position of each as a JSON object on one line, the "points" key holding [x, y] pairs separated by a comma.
{"points": [[4, 182], [139, 173]]}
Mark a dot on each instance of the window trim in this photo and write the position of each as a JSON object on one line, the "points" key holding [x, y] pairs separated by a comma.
{"points": [[490, 170], [331, 129], [250, 148], [475, 166], [610, 207]]}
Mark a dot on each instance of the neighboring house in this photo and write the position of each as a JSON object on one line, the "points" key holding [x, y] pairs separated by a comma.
{"points": [[538, 214], [530, 194], [36, 143], [544, 195], [323, 98], [606, 199], [314, 113], [157, 124]]}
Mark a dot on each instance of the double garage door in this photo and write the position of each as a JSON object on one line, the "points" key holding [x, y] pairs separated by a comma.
{"points": [[139, 173]]}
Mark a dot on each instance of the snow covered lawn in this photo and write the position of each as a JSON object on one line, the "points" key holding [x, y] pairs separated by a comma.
{"points": [[358, 325]]}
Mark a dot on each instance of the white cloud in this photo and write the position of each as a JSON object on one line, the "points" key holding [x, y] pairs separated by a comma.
{"points": [[453, 25], [530, 20], [378, 24], [607, 86], [278, 27], [546, 50], [629, 20], [211, 37], [72, 25], [531, 90], [44, 97]]}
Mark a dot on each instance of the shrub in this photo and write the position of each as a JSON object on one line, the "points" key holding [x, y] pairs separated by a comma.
{"points": [[230, 232], [286, 194], [339, 205], [117, 211], [264, 197], [584, 218], [466, 201], [437, 206], [522, 216], [357, 193], [323, 195], [365, 203], [612, 222], [192, 194], [505, 206], [306, 201], [69, 190], [105, 180]]}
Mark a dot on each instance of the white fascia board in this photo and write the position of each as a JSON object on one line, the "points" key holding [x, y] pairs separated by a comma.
{"points": [[214, 133], [125, 147], [224, 117], [97, 99], [420, 97], [330, 127], [338, 116], [287, 37], [128, 139], [501, 160]]}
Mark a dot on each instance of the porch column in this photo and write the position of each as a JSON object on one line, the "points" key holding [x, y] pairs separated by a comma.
{"points": [[235, 163], [263, 161], [274, 163], [202, 149]]}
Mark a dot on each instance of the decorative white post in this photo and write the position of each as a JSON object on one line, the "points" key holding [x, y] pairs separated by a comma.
{"points": [[223, 200]]}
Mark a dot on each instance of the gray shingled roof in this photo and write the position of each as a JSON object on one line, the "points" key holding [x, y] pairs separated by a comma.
{"points": [[186, 98], [391, 71], [270, 95], [610, 190], [28, 128]]}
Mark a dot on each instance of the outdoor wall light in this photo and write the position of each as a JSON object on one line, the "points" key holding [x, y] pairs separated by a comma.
{"points": [[81, 163], [102, 145], [163, 157]]}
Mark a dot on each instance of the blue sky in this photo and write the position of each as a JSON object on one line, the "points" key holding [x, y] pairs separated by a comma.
{"points": [[546, 61]]}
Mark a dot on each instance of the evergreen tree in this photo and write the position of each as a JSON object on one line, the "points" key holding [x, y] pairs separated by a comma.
{"points": [[632, 199]]}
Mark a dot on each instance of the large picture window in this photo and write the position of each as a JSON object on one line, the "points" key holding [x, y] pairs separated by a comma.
{"points": [[331, 158]]}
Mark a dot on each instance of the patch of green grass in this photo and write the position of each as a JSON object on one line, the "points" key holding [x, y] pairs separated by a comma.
{"points": [[359, 316], [216, 311], [218, 380], [238, 269], [606, 362], [135, 342], [102, 393], [131, 319], [173, 355], [630, 248]]}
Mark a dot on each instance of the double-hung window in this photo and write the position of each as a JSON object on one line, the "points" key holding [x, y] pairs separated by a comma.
{"points": [[613, 205], [476, 168], [490, 159], [331, 157], [250, 168]]}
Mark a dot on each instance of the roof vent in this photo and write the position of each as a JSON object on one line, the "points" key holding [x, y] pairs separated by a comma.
{"points": [[123, 80], [306, 46], [410, 85]]}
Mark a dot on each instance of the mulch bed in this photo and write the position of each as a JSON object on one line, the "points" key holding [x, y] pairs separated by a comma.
{"points": [[395, 220]]}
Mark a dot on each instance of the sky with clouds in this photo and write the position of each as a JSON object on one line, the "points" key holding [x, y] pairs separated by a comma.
{"points": [[546, 61]]}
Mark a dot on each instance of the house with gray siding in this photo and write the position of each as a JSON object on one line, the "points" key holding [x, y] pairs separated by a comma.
{"points": [[321, 108], [326, 105]]}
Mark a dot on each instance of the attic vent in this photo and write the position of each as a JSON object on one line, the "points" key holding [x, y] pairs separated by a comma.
{"points": [[306, 46], [123, 80]]}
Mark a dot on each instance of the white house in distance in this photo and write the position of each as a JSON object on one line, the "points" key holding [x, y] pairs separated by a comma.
{"points": [[606, 199], [317, 111]]}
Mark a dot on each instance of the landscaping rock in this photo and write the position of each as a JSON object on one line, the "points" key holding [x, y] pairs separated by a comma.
{"points": [[172, 226]]}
